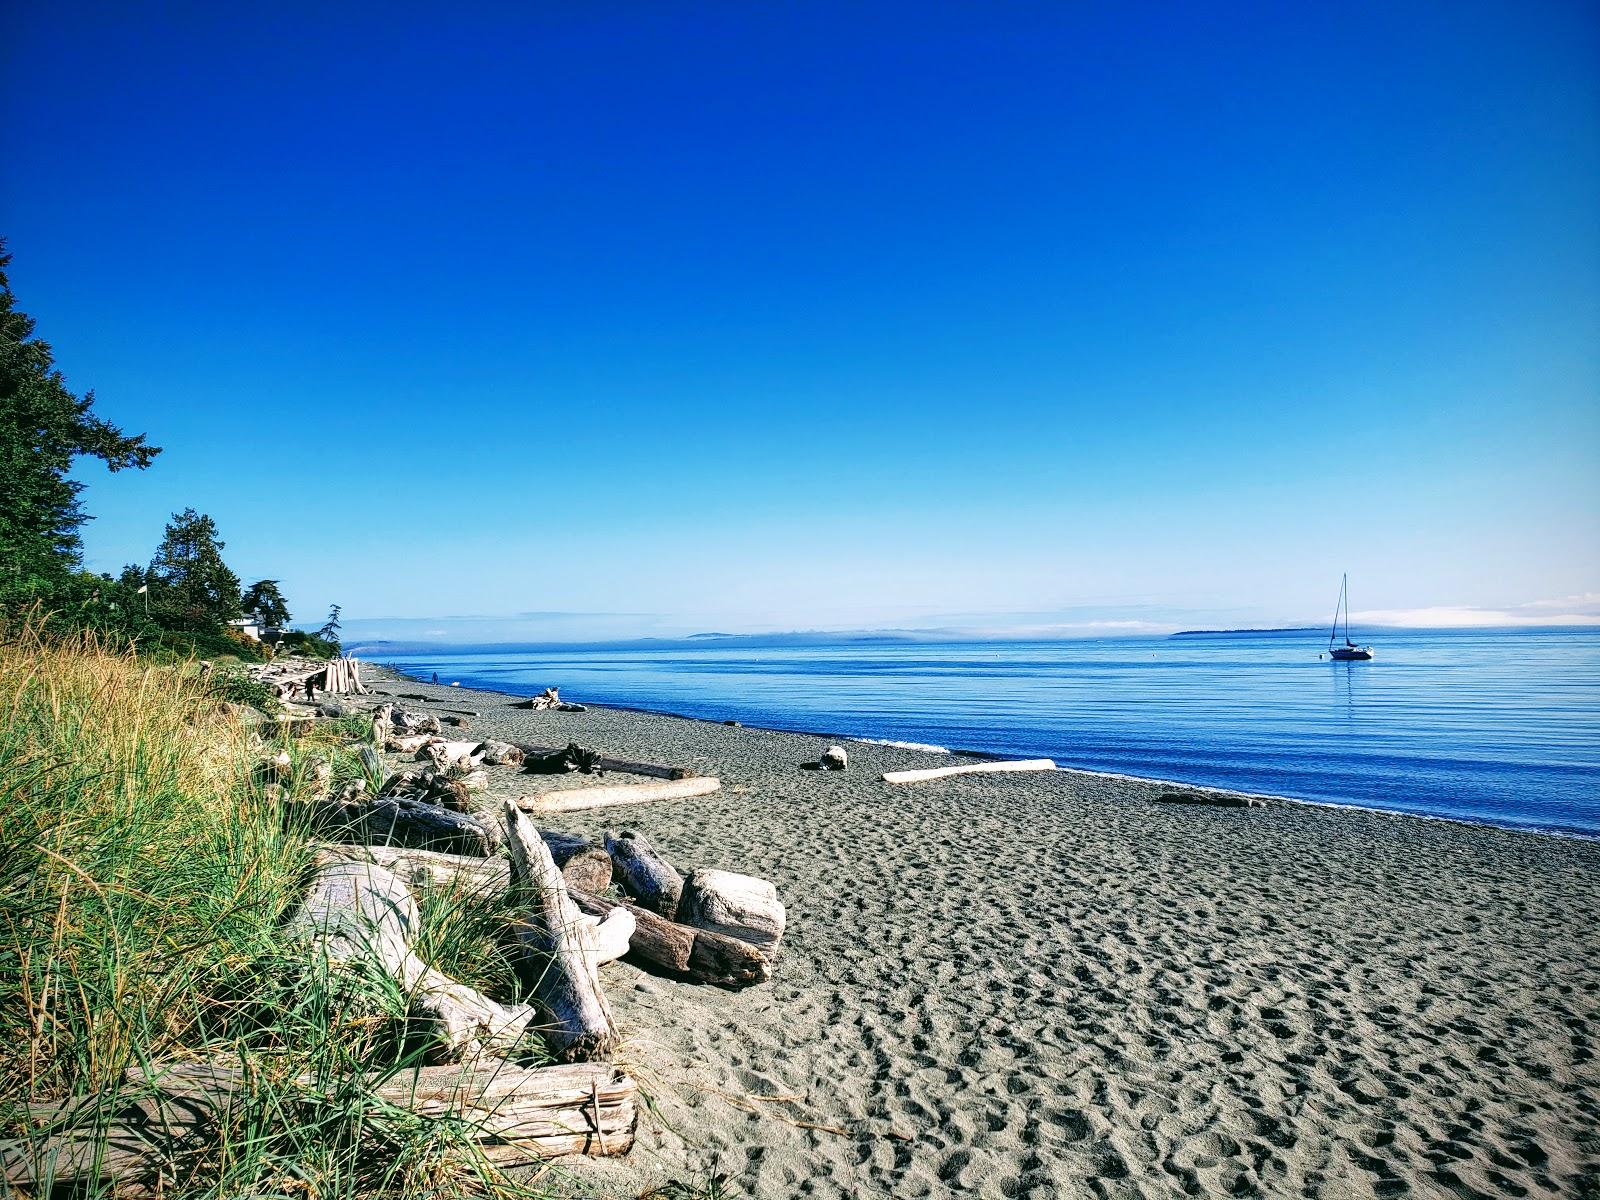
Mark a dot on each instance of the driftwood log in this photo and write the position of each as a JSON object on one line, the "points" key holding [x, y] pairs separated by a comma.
{"points": [[402, 821], [560, 959], [362, 911], [517, 1114], [740, 906], [571, 757], [982, 768], [640, 871], [578, 858], [681, 951], [501, 754], [584, 865], [549, 699], [625, 766], [581, 799], [1212, 799], [487, 877]]}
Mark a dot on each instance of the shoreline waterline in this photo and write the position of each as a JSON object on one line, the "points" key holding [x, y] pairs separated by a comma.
{"points": [[994, 755]]}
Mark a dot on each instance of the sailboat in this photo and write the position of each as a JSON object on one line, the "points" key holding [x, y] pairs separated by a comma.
{"points": [[1349, 652]]}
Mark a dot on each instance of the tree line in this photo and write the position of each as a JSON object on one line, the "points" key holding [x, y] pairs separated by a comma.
{"points": [[187, 598]]}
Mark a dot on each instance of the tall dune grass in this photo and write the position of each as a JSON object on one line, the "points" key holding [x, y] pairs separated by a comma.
{"points": [[142, 876], [143, 882]]}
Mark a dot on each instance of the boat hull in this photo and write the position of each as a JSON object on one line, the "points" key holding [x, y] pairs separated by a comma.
{"points": [[1351, 654]]}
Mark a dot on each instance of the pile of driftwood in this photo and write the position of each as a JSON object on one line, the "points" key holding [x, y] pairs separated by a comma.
{"points": [[709, 926], [301, 678]]}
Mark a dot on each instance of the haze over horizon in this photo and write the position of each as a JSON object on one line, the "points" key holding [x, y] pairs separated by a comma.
{"points": [[668, 321]]}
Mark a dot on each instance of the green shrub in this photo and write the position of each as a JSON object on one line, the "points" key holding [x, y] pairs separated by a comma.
{"points": [[235, 685]]}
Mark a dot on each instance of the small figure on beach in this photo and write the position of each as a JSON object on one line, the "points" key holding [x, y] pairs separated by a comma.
{"points": [[436, 677]]}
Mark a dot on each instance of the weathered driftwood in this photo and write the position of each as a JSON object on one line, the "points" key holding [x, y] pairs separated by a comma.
{"points": [[560, 958], [612, 934], [584, 865], [519, 1115], [402, 821], [549, 699], [501, 754], [407, 721], [571, 757], [696, 955], [740, 906], [644, 874], [429, 786], [1212, 799], [476, 876], [487, 877], [604, 763], [580, 799], [577, 857], [980, 768], [382, 724], [447, 755], [364, 911], [341, 675]]}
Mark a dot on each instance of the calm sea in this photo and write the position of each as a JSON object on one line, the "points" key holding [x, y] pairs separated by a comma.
{"points": [[1495, 726]]}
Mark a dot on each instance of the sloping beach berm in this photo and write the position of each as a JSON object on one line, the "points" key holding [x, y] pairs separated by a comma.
{"points": [[1048, 985]]}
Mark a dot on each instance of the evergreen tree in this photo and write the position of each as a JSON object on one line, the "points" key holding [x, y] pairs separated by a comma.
{"points": [[330, 631], [43, 427], [189, 579], [265, 600]]}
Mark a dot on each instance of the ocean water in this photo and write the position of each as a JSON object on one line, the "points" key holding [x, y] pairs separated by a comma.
{"points": [[1496, 726]]}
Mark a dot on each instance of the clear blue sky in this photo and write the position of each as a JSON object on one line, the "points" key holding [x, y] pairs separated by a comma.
{"points": [[765, 317]]}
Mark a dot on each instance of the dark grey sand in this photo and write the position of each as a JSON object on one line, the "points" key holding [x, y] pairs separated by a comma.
{"points": [[1048, 986]]}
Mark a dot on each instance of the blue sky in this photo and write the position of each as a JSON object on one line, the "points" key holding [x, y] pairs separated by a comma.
{"points": [[659, 318]]}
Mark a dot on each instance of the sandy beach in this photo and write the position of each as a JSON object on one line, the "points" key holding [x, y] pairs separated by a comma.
{"points": [[1049, 985]]}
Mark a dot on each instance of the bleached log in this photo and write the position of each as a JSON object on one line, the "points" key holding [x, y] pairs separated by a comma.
{"points": [[361, 911], [560, 950], [981, 768], [681, 951], [644, 874], [407, 743], [164, 1113], [611, 934], [581, 799], [740, 906], [486, 877], [584, 865]]}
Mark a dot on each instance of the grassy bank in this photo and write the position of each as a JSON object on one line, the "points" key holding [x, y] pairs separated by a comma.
{"points": [[145, 877]]}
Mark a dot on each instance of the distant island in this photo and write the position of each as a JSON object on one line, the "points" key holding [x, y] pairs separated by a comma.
{"points": [[1231, 632]]}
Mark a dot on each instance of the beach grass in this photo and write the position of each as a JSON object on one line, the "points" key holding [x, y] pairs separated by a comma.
{"points": [[146, 875]]}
